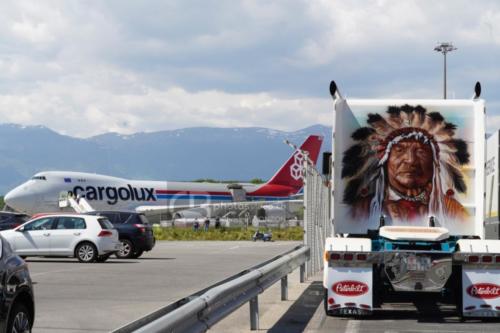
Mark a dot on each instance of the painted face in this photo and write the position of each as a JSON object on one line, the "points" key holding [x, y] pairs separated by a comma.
{"points": [[410, 166]]}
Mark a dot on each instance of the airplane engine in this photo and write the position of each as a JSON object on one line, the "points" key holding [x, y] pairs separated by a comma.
{"points": [[191, 213]]}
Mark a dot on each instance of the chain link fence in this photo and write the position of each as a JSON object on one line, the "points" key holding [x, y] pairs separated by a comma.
{"points": [[317, 221]]}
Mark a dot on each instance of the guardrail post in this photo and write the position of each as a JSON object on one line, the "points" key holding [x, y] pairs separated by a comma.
{"points": [[302, 273], [284, 288], [254, 313]]}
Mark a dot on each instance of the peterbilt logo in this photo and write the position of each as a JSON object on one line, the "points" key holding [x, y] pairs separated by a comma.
{"points": [[484, 290], [350, 288]]}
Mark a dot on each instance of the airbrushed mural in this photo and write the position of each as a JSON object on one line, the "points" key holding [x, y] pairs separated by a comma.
{"points": [[407, 163]]}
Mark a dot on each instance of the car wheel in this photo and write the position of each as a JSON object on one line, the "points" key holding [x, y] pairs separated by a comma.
{"points": [[126, 250], [137, 254], [86, 252], [103, 258], [19, 319]]}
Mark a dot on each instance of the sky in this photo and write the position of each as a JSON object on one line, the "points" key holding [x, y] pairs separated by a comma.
{"points": [[84, 68]]}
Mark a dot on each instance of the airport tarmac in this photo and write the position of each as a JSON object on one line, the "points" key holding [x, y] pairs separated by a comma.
{"points": [[73, 297]]}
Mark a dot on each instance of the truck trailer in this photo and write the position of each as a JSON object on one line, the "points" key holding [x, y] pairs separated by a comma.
{"points": [[414, 206]]}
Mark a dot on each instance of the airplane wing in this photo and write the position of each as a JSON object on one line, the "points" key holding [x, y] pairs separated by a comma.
{"points": [[220, 209]]}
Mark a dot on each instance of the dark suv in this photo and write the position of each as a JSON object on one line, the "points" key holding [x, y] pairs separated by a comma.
{"points": [[134, 230], [17, 308], [10, 220]]}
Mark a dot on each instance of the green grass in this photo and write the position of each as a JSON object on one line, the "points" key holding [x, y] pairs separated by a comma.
{"points": [[227, 234]]}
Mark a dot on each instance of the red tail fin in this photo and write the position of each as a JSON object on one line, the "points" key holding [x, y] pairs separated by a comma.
{"points": [[288, 179]]}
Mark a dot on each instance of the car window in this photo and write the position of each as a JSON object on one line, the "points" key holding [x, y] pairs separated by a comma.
{"points": [[105, 224], [111, 217], [124, 217], [68, 222], [21, 219], [40, 224]]}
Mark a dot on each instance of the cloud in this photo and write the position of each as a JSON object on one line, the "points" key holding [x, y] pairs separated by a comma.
{"points": [[122, 104], [85, 68]]}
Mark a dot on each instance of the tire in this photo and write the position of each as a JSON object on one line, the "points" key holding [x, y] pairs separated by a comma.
{"points": [[19, 319], [103, 258], [137, 254], [86, 252], [126, 251]]}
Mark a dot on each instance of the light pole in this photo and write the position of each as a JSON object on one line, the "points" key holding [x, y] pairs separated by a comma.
{"points": [[445, 47]]}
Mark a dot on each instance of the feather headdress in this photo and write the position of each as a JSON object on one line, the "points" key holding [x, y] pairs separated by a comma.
{"points": [[363, 164]]}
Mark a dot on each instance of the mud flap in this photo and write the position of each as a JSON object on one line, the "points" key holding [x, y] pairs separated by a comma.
{"points": [[480, 292], [350, 291]]}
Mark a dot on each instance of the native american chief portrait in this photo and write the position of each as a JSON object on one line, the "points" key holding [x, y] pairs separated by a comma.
{"points": [[405, 164]]}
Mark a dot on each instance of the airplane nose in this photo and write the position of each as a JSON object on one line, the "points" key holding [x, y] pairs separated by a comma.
{"points": [[20, 199]]}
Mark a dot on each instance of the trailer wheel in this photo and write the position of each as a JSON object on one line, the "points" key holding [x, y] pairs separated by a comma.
{"points": [[325, 302]]}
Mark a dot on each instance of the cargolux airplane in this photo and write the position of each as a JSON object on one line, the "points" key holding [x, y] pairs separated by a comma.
{"points": [[43, 191]]}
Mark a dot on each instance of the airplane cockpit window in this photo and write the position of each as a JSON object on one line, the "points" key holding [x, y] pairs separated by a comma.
{"points": [[39, 178]]}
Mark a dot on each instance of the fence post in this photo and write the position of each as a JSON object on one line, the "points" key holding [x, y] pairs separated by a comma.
{"points": [[254, 313], [302, 273], [284, 288]]}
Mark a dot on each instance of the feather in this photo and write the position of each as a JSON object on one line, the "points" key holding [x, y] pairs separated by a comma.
{"points": [[394, 118], [461, 153], [351, 191], [418, 116], [456, 178], [407, 109], [433, 122], [379, 123], [362, 133], [393, 111], [351, 162], [445, 131]]}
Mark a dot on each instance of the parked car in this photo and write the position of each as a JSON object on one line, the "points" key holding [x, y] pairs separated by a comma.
{"points": [[86, 237], [135, 232], [10, 220], [17, 306]]}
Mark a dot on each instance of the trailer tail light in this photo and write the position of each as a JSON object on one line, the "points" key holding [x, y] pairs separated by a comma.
{"points": [[472, 307], [361, 257], [473, 259], [105, 233], [497, 259], [485, 306], [141, 227], [348, 257], [335, 256], [487, 259], [365, 306], [497, 308], [350, 304], [331, 301]]}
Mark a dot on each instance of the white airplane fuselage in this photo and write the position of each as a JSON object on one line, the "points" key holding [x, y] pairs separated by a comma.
{"points": [[42, 192]]}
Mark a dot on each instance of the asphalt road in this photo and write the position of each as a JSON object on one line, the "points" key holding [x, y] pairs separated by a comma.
{"points": [[73, 297]]}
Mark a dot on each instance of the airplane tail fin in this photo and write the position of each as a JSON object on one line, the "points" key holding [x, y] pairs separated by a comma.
{"points": [[290, 174]]}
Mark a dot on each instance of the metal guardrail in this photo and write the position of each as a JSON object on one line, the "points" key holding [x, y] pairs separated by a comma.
{"points": [[203, 309]]}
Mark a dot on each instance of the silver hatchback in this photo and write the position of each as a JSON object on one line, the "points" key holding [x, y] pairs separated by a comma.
{"points": [[86, 237]]}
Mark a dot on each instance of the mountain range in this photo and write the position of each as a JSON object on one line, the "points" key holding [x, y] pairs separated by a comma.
{"points": [[181, 155]]}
